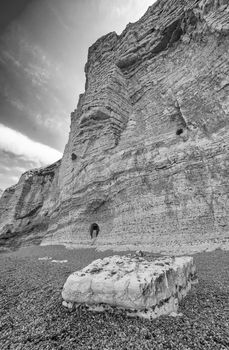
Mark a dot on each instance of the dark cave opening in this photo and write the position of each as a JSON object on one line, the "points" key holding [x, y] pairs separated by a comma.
{"points": [[74, 156], [179, 132], [94, 230]]}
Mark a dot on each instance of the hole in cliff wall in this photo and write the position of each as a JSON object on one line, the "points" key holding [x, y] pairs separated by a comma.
{"points": [[73, 156], [179, 132], [94, 230]]}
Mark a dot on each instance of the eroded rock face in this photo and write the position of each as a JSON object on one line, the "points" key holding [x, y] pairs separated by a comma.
{"points": [[147, 156], [25, 208], [143, 287], [151, 135]]}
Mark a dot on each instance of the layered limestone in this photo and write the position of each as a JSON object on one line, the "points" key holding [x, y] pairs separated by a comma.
{"points": [[26, 207], [145, 288], [147, 155]]}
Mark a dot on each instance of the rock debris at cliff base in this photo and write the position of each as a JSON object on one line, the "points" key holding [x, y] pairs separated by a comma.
{"points": [[148, 149], [32, 316]]}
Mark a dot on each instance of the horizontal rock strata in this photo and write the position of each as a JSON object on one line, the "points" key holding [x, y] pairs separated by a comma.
{"points": [[148, 151], [142, 287], [25, 208]]}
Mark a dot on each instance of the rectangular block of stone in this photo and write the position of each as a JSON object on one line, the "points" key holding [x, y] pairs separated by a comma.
{"points": [[140, 286]]}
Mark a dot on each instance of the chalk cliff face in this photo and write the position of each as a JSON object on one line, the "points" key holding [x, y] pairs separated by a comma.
{"points": [[25, 208], [147, 156]]}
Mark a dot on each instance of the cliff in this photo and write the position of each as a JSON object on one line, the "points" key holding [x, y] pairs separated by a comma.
{"points": [[25, 208], [147, 155]]}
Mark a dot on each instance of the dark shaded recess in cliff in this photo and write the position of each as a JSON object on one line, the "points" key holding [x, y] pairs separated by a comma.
{"points": [[74, 156], [170, 35], [95, 117], [29, 235], [126, 62], [179, 132], [133, 58]]}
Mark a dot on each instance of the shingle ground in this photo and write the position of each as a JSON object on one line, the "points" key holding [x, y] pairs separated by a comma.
{"points": [[32, 316]]}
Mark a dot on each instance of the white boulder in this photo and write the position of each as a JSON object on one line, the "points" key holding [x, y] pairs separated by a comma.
{"points": [[143, 287]]}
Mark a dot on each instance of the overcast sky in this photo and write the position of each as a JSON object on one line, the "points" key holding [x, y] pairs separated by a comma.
{"points": [[43, 50]]}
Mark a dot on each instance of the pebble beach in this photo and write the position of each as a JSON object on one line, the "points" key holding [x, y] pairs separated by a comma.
{"points": [[32, 315]]}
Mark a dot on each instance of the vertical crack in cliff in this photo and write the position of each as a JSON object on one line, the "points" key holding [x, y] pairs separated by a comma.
{"points": [[181, 120]]}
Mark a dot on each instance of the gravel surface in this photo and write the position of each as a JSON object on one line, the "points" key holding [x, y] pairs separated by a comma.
{"points": [[32, 316]]}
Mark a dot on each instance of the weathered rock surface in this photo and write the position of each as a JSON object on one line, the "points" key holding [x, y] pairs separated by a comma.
{"points": [[25, 208], [147, 156], [143, 287]]}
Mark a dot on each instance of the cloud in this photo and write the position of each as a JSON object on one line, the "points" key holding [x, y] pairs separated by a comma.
{"points": [[15, 179], [127, 11], [58, 16], [38, 75], [22, 146], [12, 167]]}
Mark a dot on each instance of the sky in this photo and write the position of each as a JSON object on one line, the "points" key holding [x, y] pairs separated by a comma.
{"points": [[43, 50]]}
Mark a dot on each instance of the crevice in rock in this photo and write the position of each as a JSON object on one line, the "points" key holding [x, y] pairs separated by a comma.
{"points": [[179, 119], [30, 213]]}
